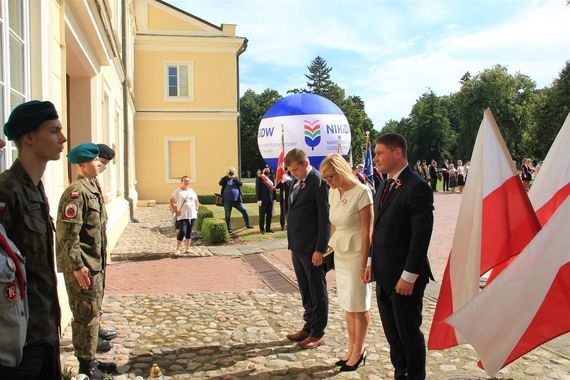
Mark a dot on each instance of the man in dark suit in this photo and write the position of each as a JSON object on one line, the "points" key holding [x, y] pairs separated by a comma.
{"points": [[308, 233], [265, 194], [403, 222], [285, 187], [433, 175]]}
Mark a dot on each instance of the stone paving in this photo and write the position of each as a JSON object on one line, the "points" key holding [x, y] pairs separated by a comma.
{"points": [[213, 317]]}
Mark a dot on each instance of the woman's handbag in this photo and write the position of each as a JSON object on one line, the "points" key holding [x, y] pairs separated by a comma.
{"points": [[328, 259], [219, 199]]}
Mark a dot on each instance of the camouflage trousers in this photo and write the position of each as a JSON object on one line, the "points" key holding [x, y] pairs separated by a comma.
{"points": [[85, 306]]}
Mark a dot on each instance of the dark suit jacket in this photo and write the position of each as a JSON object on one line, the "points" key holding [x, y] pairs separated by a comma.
{"points": [[402, 230], [308, 225], [262, 192]]}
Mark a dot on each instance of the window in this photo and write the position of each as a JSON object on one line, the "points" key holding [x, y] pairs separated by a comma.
{"points": [[180, 158], [179, 81], [14, 62]]}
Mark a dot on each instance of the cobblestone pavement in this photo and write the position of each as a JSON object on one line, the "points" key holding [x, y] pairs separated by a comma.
{"points": [[213, 317]]}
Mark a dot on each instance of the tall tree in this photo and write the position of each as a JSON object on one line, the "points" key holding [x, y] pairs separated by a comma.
{"points": [[509, 97], [550, 111], [252, 108], [319, 77]]}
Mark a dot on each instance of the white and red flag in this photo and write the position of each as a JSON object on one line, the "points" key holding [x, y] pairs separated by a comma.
{"points": [[496, 221], [552, 183], [528, 304], [281, 160]]}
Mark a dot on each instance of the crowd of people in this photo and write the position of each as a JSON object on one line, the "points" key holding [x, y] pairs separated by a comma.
{"points": [[29, 305]]}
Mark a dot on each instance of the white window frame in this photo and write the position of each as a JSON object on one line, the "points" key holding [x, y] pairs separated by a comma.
{"points": [[190, 97], [192, 157], [10, 152]]}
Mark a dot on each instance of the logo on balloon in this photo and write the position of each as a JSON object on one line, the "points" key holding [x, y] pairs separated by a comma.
{"points": [[312, 133]]}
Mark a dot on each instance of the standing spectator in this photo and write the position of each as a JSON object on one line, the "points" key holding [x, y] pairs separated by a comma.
{"points": [[467, 166], [445, 173], [460, 176], [266, 195], [378, 178], [308, 232], [184, 203], [35, 128], [358, 172], [284, 189], [433, 175], [80, 256], [418, 168], [452, 177], [233, 198], [425, 171], [526, 173], [351, 229], [400, 240]]}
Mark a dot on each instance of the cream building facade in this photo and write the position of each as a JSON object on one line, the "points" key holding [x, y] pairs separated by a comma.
{"points": [[187, 100], [78, 55]]}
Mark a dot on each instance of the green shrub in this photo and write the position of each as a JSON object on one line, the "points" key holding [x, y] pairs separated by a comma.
{"points": [[215, 231], [207, 199], [248, 189], [249, 198], [203, 213]]}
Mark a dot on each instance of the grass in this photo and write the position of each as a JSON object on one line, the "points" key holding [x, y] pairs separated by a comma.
{"points": [[243, 234]]}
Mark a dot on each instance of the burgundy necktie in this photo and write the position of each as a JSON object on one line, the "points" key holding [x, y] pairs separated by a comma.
{"points": [[386, 190]]}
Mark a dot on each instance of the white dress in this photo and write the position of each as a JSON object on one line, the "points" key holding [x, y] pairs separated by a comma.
{"points": [[353, 295]]}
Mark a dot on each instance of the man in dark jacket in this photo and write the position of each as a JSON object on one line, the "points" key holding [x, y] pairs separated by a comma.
{"points": [[308, 233], [231, 193], [265, 194]]}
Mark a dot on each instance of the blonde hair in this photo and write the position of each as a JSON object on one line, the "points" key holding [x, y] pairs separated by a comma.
{"points": [[337, 163]]}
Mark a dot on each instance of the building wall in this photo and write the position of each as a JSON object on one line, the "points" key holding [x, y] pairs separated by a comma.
{"points": [[195, 135]]}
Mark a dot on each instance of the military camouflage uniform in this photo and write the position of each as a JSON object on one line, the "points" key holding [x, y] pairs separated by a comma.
{"points": [[24, 213], [80, 243]]}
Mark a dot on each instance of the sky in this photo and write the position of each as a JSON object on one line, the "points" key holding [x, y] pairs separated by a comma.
{"points": [[391, 52]]}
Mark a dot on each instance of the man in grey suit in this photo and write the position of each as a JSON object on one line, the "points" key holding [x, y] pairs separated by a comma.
{"points": [[403, 222], [308, 234]]}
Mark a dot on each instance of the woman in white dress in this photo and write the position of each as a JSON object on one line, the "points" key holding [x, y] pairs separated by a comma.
{"points": [[351, 232]]}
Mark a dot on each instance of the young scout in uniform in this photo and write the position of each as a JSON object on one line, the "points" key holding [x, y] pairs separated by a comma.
{"points": [[80, 256], [35, 128], [106, 154]]}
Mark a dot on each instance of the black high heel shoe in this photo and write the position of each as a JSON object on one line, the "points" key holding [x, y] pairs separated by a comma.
{"points": [[340, 362], [348, 368]]}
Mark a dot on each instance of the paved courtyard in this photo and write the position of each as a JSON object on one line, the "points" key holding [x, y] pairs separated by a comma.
{"points": [[211, 315]]}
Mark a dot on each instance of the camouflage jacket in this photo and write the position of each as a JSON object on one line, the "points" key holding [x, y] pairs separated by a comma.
{"points": [[24, 213], [81, 219]]}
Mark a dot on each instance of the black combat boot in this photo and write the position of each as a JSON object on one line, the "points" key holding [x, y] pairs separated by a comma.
{"points": [[107, 334], [107, 367], [104, 345], [89, 368]]}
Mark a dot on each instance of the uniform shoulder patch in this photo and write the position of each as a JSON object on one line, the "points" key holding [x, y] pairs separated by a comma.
{"points": [[70, 210], [10, 292], [74, 194]]}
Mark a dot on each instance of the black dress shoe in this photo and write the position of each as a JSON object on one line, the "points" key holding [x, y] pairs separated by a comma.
{"points": [[90, 368], [262, 232], [108, 367], [340, 362], [104, 345], [270, 231], [107, 334]]}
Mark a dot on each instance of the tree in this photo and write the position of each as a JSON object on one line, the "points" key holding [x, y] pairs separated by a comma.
{"points": [[550, 111], [360, 123], [508, 96], [319, 77], [252, 109]]}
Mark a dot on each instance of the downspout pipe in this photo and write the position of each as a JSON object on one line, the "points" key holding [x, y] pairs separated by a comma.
{"points": [[126, 138], [240, 51]]}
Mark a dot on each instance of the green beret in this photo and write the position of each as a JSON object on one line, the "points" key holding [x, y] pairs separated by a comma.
{"points": [[83, 153], [105, 151], [28, 116]]}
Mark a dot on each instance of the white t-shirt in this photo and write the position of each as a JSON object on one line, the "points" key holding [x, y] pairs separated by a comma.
{"points": [[188, 208]]}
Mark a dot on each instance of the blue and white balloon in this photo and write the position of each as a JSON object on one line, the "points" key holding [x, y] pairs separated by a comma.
{"points": [[309, 122]]}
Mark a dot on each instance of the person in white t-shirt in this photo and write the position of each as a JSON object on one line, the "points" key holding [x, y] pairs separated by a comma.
{"points": [[184, 203]]}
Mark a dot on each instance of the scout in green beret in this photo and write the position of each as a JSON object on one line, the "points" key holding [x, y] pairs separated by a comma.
{"points": [[36, 131], [81, 253]]}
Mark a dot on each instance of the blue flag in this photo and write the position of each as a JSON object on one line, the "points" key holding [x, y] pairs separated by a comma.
{"points": [[369, 166]]}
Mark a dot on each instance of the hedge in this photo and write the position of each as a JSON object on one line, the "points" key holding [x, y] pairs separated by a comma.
{"points": [[203, 213], [215, 231], [211, 199]]}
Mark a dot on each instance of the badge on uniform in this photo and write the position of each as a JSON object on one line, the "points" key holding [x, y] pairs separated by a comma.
{"points": [[74, 194], [70, 210], [10, 291]]}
